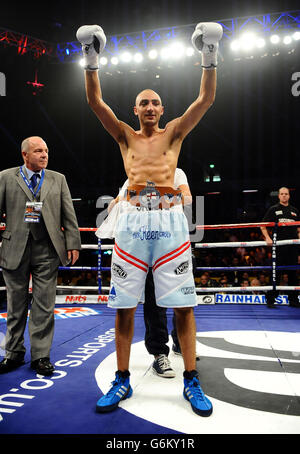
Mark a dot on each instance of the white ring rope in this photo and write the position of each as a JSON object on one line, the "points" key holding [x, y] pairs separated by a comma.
{"points": [[232, 244], [244, 244]]}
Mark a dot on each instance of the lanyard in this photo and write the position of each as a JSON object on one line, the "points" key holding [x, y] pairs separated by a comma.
{"points": [[29, 184]]}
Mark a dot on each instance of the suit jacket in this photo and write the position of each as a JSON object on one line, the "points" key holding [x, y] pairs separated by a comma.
{"points": [[58, 214]]}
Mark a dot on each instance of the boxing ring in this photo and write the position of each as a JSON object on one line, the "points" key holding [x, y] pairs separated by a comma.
{"points": [[100, 247], [249, 363]]}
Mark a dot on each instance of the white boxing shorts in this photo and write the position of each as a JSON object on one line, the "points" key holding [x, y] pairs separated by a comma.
{"points": [[157, 239]]}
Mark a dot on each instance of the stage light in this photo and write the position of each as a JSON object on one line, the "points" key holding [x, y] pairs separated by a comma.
{"points": [[103, 61], [67, 52], [126, 57], [138, 57], [81, 62], [287, 40], [190, 51], [296, 36], [274, 39], [260, 42], [114, 61], [165, 53], [235, 45], [152, 54], [248, 41], [176, 50]]}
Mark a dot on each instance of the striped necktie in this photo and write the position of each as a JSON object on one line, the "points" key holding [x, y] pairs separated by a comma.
{"points": [[34, 179]]}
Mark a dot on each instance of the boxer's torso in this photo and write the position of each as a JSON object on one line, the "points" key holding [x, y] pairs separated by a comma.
{"points": [[151, 157]]}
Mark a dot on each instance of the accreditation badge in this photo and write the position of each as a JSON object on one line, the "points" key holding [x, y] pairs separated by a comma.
{"points": [[33, 212]]}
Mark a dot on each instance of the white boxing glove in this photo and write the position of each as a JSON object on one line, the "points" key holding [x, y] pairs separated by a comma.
{"points": [[93, 41], [205, 39]]}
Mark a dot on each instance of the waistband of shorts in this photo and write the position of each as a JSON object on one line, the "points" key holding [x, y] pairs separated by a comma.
{"points": [[152, 197], [127, 207]]}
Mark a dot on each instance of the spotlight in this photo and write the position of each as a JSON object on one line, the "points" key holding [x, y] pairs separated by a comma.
{"points": [[248, 41], [235, 45], [152, 54], [274, 39], [296, 36], [287, 40], [165, 53], [126, 57], [138, 57], [103, 61], [81, 62], [176, 50], [190, 51], [260, 42], [114, 61]]}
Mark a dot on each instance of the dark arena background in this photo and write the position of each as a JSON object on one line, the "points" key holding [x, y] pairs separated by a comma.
{"points": [[244, 149]]}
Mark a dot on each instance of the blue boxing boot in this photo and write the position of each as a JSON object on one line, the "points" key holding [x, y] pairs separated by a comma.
{"points": [[120, 390], [193, 393]]}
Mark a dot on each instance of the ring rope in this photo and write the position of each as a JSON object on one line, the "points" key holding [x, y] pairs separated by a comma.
{"points": [[246, 225], [250, 244]]}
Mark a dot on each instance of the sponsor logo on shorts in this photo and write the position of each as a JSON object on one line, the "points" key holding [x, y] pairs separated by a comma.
{"points": [[118, 271], [182, 268], [144, 234], [112, 293], [188, 290]]}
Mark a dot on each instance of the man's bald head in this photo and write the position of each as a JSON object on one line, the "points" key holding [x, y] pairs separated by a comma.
{"points": [[29, 142], [284, 196], [147, 94], [35, 153]]}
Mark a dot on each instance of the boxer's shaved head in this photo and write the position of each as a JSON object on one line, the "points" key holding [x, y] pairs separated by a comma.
{"points": [[147, 94]]}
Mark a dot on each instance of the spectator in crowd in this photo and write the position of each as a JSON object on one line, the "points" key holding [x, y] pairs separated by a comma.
{"points": [[262, 279], [204, 280], [255, 283], [224, 281], [284, 279], [245, 283]]}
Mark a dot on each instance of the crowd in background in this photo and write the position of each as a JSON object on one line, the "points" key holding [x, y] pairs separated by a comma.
{"points": [[252, 257]]}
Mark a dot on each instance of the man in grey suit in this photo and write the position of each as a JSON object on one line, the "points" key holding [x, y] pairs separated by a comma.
{"points": [[41, 231]]}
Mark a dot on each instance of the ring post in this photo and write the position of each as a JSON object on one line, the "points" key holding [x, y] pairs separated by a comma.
{"points": [[274, 256], [99, 267]]}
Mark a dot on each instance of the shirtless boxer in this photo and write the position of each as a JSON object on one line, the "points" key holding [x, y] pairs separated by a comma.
{"points": [[154, 231]]}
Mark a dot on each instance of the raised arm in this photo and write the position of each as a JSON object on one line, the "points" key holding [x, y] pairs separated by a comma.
{"points": [[205, 39], [93, 40], [100, 108]]}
